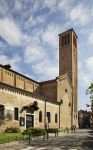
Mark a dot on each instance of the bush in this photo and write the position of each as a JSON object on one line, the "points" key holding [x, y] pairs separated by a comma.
{"points": [[34, 132], [64, 130], [12, 130], [1, 122]]}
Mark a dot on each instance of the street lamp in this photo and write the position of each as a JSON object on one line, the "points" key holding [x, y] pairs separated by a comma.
{"points": [[72, 106]]}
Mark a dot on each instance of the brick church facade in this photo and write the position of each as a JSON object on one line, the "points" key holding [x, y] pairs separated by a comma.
{"points": [[55, 99]]}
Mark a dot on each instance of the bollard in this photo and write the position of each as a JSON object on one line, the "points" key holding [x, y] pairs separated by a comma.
{"points": [[16, 138], [8, 139], [57, 133], [47, 135], [29, 139]]}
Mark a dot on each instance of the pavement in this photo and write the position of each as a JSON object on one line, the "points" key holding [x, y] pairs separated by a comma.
{"points": [[80, 140]]}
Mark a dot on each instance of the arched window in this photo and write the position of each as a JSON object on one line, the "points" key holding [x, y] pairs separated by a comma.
{"points": [[40, 116]]}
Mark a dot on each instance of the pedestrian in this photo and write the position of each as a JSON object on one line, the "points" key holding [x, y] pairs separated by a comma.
{"points": [[71, 128], [74, 128]]}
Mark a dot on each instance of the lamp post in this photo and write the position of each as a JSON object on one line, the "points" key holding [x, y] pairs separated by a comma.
{"points": [[72, 106]]}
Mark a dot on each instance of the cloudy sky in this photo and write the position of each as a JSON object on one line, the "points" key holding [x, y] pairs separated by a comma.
{"points": [[29, 38]]}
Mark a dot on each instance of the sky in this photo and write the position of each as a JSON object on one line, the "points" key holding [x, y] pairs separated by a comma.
{"points": [[29, 38]]}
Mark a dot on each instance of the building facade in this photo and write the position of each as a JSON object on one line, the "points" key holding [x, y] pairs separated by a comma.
{"points": [[85, 119], [54, 98]]}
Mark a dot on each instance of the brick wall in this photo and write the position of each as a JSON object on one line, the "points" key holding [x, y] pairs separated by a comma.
{"points": [[49, 89], [9, 77]]}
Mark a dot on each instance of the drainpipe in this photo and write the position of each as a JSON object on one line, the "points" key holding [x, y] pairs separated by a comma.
{"points": [[59, 115], [61, 102], [45, 116], [72, 108]]}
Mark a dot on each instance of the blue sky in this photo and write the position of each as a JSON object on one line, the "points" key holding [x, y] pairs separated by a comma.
{"points": [[29, 38]]}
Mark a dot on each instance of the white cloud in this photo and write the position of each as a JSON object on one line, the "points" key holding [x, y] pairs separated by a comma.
{"points": [[63, 4], [80, 14], [34, 53], [90, 38], [50, 4], [4, 8], [46, 69], [56, 5], [18, 5], [50, 35], [32, 21], [86, 72], [10, 32], [84, 78], [13, 61], [89, 65]]}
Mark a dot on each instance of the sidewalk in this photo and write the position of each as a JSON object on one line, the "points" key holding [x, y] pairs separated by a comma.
{"points": [[18, 145]]}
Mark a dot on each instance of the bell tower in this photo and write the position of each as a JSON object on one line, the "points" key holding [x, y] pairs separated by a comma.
{"points": [[68, 65]]}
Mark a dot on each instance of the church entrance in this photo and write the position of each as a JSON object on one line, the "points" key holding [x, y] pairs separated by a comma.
{"points": [[29, 120]]}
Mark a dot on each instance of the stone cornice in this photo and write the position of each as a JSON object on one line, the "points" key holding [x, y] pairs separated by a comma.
{"points": [[13, 89]]}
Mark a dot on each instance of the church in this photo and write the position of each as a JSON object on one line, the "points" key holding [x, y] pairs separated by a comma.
{"points": [[26, 103]]}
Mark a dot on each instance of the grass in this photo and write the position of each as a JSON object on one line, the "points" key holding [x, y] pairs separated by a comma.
{"points": [[10, 137]]}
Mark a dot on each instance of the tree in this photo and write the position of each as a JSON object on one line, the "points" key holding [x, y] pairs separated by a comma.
{"points": [[89, 91]]}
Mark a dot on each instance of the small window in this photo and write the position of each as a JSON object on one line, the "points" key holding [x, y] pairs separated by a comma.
{"points": [[16, 113], [48, 117], [56, 118], [40, 116], [74, 41], [63, 40], [68, 38], [69, 104], [61, 101], [65, 90]]}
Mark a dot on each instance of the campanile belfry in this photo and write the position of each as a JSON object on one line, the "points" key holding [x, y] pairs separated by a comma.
{"points": [[68, 65]]}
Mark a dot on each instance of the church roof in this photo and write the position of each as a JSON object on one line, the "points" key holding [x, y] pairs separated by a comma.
{"points": [[9, 69], [48, 81]]}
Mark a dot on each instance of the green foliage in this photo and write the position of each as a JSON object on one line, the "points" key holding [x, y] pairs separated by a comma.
{"points": [[34, 132], [12, 130], [10, 137], [1, 122], [90, 89], [64, 130], [89, 92]]}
